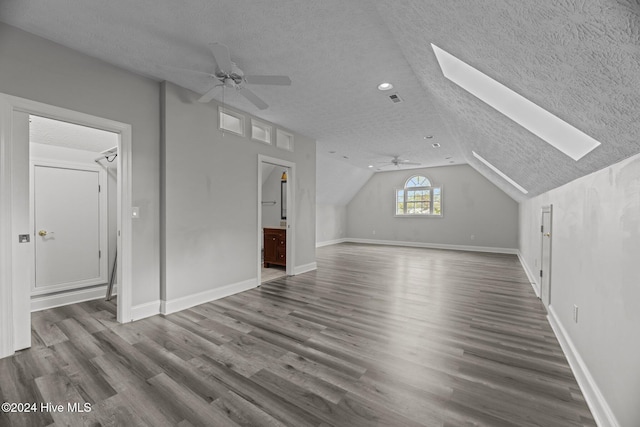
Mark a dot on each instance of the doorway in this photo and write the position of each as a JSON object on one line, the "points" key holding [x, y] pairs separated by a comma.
{"points": [[276, 199], [73, 209], [545, 263], [17, 249]]}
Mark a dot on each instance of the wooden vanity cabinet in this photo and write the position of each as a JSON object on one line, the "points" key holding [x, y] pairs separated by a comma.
{"points": [[275, 247]]}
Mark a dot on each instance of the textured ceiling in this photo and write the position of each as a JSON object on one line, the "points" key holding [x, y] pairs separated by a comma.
{"points": [[62, 134], [578, 59]]}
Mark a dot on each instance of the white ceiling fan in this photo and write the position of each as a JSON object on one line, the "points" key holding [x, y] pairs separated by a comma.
{"points": [[398, 162], [229, 75]]}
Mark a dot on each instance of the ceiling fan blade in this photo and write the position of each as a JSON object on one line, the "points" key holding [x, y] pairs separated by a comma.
{"points": [[221, 55], [268, 80], [208, 96], [407, 162], [253, 98]]}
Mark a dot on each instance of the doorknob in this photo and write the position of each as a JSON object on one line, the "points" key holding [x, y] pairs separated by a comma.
{"points": [[42, 233], [547, 234]]}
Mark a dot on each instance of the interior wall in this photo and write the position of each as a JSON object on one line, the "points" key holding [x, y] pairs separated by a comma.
{"points": [[595, 249], [476, 213], [210, 200], [331, 223], [40, 70], [271, 215]]}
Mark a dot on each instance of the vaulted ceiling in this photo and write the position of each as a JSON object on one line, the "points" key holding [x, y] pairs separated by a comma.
{"points": [[577, 59]]}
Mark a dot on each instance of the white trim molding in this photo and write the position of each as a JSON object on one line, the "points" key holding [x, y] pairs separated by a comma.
{"points": [[435, 246], [148, 309], [532, 277], [300, 269], [45, 302], [600, 409], [330, 242], [182, 303]]}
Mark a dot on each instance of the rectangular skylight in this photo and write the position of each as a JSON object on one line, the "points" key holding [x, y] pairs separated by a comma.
{"points": [[499, 172], [537, 120]]}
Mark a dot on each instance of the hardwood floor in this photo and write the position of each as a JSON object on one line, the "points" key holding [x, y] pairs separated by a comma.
{"points": [[377, 336]]}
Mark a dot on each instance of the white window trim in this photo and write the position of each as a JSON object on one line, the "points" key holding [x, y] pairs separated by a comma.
{"points": [[221, 111], [279, 135], [431, 188], [264, 126]]}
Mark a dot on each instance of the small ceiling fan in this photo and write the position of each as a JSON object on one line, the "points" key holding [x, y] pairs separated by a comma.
{"points": [[229, 75], [398, 162]]}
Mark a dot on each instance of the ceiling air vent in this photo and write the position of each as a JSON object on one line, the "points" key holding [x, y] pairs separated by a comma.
{"points": [[395, 98]]}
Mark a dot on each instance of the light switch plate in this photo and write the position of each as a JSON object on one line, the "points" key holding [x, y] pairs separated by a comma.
{"points": [[24, 238]]}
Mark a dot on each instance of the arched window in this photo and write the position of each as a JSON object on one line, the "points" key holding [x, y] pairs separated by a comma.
{"points": [[419, 197]]}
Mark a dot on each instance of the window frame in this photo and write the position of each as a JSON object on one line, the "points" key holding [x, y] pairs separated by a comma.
{"points": [[222, 111], [266, 127], [431, 189]]}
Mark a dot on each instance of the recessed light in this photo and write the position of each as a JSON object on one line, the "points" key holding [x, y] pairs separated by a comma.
{"points": [[332, 152], [435, 145], [448, 158], [370, 166], [385, 86], [428, 137], [345, 157]]}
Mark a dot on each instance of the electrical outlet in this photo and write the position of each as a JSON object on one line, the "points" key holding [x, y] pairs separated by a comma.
{"points": [[575, 313], [374, 231]]}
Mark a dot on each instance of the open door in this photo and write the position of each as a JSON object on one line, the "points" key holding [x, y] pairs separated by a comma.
{"points": [[545, 267]]}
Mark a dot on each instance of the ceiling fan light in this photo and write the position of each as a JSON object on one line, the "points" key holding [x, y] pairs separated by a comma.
{"points": [[385, 86]]}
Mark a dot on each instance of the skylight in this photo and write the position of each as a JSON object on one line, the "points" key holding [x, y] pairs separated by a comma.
{"points": [[537, 120], [499, 172]]}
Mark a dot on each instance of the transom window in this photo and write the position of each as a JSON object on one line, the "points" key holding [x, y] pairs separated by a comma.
{"points": [[419, 197]]}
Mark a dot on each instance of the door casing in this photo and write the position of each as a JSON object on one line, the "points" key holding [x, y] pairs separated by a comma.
{"points": [[16, 256], [291, 203], [545, 256]]}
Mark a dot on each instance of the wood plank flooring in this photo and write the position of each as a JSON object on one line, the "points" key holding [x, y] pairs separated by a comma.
{"points": [[377, 336]]}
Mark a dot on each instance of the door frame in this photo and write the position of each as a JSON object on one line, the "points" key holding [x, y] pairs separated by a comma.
{"points": [[15, 313], [291, 204], [102, 226], [546, 275]]}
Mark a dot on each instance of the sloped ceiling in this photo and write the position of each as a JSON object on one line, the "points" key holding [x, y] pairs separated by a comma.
{"points": [[578, 59]]}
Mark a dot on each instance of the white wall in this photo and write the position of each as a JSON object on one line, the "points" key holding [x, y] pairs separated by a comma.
{"points": [[476, 213], [595, 255], [210, 205], [271, 214], [331, 224], [37, 69]]}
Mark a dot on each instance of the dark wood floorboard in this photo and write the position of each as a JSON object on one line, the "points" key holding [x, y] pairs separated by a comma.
{"points": [[377, 336]]}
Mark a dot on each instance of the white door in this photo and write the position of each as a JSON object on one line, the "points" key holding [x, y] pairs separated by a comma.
{"points": [[545, 267], [69, 228]]}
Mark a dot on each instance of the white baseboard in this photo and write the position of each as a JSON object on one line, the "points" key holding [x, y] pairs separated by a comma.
{"points": [[435, 246], [330, 242], [595, 400], [142, 311], [299, 269], [44, 302], [172, 306], [532, 277]]}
